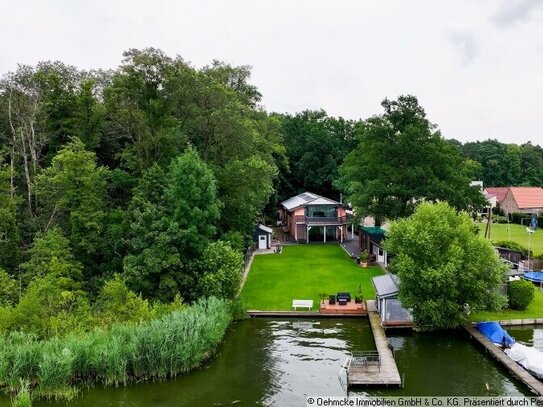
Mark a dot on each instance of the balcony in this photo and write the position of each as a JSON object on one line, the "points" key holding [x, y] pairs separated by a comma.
{"points": [[322, 220]]}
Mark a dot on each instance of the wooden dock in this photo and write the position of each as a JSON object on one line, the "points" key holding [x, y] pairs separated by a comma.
{"points": [[300, 314], [518, 371], [362, 371]]}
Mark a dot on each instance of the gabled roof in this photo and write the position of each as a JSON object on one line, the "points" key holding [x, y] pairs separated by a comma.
{"points": [[385, 286], [264, 228], [498, 192], [527, 197], [306, 198]]}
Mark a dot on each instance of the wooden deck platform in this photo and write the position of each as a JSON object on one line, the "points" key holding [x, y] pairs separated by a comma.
{"points": [[349, 308], [518, 371], [371, 374]]}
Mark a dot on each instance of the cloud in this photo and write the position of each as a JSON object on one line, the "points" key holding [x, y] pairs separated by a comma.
{"points": [[512, 11], [466, 44]]}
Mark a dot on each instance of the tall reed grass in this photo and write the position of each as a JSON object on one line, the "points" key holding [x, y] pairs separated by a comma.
{"points": [[165, 347], [23, 397]]}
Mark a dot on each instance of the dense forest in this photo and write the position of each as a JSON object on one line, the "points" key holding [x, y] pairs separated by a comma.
{"points": [[149, 179]]}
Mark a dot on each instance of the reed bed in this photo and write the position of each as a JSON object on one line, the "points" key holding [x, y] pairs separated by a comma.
{"points": [[162, 348]]}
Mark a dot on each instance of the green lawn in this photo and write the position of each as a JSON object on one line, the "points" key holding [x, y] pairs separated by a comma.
{"points": [[516, 233], [534, 310], [303, 272]]}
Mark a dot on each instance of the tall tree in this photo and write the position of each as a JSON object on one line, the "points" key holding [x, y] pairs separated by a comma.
{"points": [[443, 264], [141, 129], [172, 216], [9, 228], [50, 254], [316, 146], [192, 196], [73, 194], [401, 160]]}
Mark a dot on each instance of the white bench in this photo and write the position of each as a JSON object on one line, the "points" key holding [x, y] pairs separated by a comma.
{"points": [[302, 304]]}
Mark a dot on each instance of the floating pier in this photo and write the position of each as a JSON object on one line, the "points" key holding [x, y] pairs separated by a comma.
{"points": [[373, 368], [518, 371]]}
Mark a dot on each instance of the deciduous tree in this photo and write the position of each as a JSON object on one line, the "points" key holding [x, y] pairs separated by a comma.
{"points": [[443, 264], [402, 160]]}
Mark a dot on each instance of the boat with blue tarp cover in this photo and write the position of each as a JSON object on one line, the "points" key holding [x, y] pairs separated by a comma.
{"points": [[528, 357], [494, 332]]}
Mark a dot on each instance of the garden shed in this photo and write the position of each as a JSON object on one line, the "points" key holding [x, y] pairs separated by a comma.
{"points": [[263, 236]]}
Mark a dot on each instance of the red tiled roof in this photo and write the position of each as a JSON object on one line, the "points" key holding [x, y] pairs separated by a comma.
{"points": [[528, 197], [499, 192]]}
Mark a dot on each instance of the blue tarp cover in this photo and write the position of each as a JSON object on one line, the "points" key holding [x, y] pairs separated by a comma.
{"points": [[535, 276], [495, 333]]}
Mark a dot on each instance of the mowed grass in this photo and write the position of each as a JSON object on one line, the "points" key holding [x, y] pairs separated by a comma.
{"points": [[302, 272], [534, 310], [516, 233]]}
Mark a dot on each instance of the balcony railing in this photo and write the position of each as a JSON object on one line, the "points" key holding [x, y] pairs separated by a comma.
{"points": [[322, 220]]}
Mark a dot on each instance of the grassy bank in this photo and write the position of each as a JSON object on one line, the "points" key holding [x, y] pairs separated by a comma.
{"points": [[304, 272], [515, 233], [165, 347], [534, 310]]}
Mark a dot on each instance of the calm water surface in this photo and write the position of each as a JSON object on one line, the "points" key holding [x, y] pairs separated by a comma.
{"points": [[265, 362]]}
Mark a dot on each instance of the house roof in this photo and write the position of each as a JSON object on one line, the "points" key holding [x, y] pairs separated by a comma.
{"points": [[306, 198], [373, 230], [498, 192], [264, 228], [386, 286], [527, 197]]}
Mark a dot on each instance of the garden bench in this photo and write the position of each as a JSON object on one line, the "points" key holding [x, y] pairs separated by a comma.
{"points": [[302, 304]]}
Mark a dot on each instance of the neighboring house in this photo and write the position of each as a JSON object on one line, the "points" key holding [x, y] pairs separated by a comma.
{"points": [[309, 217], [391, 311], [498, 192], [492, 202], [263, 237], [527, 200]]}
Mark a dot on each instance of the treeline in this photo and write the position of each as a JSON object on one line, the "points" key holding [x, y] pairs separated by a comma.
{"points": [[155, 171], [506, 164], [316, 146]]}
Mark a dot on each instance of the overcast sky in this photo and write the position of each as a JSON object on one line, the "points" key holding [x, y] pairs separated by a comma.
{"points": [[475, 65]]}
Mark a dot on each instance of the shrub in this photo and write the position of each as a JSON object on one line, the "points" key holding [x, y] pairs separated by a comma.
{"points": [[508, 244], [520, 293], [116, 303], [500, 219], [516, 217], [9, 290]]}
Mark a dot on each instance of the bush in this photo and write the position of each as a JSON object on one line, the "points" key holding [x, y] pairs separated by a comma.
{"points": [[508, 244], [520, 293], [500, 219], [516, 217]]}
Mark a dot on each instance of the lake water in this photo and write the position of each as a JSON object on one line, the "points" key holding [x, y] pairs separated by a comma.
{"points": [[266, 362]]}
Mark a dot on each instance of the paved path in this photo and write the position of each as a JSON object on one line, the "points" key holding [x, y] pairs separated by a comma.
{"points": [[351, 247]]}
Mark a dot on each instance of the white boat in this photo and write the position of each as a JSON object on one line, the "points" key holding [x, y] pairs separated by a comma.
{"points": [[528, 357]]}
